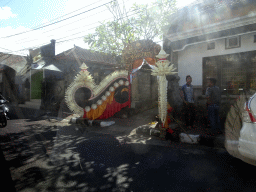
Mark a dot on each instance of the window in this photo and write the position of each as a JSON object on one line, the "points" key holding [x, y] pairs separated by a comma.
{"points": [[233, 72], [210, 45], [233, 42]]}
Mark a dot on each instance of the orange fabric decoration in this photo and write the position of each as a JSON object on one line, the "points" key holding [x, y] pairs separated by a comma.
{"points": [[150, 60], [137, 63], [125, 89], [96, 113], [109, 107]]}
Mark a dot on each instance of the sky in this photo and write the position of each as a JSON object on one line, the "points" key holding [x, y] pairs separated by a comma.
{"points": [[66, 21]]}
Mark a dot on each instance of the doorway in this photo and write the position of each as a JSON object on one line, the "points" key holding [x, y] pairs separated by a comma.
{"points": [[36, 85]]}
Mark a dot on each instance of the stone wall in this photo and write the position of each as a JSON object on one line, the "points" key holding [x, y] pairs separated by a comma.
{"points": [[173, 93], [144, 90]]}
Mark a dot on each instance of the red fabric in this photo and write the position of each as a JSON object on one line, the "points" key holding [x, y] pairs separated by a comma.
{"points": [[84, 114], [170, 110], [129, 91], [170, 131], [113, 108]]}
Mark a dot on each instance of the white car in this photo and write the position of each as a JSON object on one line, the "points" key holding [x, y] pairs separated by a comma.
{"points": [[240, 130], [247, 139]]}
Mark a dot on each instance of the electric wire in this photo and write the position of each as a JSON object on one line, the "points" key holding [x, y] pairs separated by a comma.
{"points": [[62, 38], [21, 41], [58, 27], [83, 35], [121, 18], [68, 13], [55, 22], [88, 29]]}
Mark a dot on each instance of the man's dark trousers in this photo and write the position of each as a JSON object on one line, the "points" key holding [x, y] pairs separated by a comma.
{"points": [[189, 112], [213, 116]]}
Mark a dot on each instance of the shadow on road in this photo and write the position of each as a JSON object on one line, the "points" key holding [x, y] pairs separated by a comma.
{"points": [[69, 159]]}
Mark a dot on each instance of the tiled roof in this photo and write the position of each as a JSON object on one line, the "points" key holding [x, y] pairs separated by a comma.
{"points": [[87, 55]]}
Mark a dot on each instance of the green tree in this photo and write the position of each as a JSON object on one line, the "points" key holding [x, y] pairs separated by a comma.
{"points": [[140, 22]]}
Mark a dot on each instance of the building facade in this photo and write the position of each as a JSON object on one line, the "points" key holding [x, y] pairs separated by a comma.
{"points": [[215, 39], [49, 75]]}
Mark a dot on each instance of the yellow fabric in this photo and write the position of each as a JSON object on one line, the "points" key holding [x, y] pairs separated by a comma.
{"points": [[96, 113], [124, 89]]}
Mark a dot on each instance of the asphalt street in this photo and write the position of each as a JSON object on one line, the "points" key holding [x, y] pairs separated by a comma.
{"points": [[46, 157]]}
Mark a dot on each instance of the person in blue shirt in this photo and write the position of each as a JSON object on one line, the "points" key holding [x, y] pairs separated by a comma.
{"points": [[188, 97], [213, 101]]}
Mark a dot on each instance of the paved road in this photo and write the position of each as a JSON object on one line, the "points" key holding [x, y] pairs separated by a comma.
{"points": [[44, 157]]}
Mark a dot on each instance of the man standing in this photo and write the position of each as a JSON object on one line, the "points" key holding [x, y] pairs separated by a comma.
{"points": [[213, 100], [187, 95]]}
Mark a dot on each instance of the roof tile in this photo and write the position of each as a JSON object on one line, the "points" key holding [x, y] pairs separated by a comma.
{"points": [[88, 55]]}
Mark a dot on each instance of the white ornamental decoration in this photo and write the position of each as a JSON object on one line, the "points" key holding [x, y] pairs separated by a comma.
{"points": [[162, 69], [116, 85], [121, 82], [107, 93], [111, 89], [126, 83], [94, 106], [87, 108], [99, 102], [104, 98]]}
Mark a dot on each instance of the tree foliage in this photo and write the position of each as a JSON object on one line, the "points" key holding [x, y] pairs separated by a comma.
{"points": [[140, 22]]}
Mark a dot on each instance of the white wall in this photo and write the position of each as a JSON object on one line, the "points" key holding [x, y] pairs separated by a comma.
{"points": [[190, 60]]}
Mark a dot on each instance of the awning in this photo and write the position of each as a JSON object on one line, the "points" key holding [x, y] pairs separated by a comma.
{"points": [[52, 68]]}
